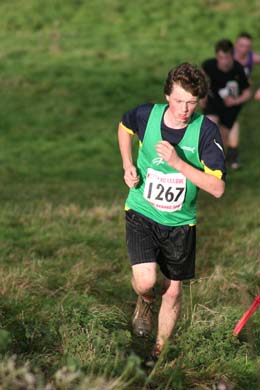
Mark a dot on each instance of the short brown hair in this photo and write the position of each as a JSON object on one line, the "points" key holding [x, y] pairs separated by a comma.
{"points": [[190, 78], [246, 35], [224, 45]]}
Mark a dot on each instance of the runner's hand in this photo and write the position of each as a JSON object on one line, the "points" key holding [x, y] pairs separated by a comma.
{"points": [[230, 101], [130, 176], [257, 94], [167, 152]]}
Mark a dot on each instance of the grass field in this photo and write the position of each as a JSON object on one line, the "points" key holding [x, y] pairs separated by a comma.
{"points": [[68, 71]]}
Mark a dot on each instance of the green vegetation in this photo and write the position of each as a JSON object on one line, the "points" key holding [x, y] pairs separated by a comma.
{"points": [[68, 71]]}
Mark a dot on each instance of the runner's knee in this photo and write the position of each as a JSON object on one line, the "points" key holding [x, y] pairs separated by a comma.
{"points": [[144, 283]]}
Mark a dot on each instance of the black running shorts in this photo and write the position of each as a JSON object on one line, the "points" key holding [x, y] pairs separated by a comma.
{"points": [[173, 248]]}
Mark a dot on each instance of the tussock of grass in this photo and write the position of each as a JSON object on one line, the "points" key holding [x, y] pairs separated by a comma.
{"points": [[14, 283], [104, 213], [17, 377]]}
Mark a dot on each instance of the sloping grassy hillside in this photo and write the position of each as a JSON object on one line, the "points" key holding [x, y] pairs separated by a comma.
{"points": [[68, 71]]}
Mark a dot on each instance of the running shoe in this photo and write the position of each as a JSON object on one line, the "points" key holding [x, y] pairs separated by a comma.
{"points": [[143, 318]]}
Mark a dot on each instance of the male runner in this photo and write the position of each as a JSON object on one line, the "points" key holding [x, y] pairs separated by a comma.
{"points": [[229, 90], [245, 55], [180, 152]]}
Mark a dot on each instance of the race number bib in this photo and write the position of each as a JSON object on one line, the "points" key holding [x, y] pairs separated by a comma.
{"points": [[165, 192], [231, 89]]}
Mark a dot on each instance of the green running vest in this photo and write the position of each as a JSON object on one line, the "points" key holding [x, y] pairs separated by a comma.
{"points": [[168, 194]]}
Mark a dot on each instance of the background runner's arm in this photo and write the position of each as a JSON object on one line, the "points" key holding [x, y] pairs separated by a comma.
{"points": [[256, 58], [205, 181], [244, 97], [125, 145], [257, 94]]}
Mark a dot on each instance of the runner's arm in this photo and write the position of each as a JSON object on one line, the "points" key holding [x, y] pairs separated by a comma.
{"points": [[257, 94], [207, 182], [244, 97], [211, 150], [237, 101], [125, 145], [256, 58]]}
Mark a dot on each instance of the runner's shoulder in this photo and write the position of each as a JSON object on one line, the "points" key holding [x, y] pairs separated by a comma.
{"points": [[209, 130], [208, 126], [209, 64], [136, 119], [141, 111], [239, 68]]}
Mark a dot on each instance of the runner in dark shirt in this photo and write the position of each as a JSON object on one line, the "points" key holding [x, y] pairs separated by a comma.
{"points": [[229, 90]]}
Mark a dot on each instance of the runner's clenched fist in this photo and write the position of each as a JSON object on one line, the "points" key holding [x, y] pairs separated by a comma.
{"points": [[131, 178], [166, 151]]}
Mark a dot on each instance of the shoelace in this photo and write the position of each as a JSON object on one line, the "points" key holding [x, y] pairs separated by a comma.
{"points": [[146, 308]]}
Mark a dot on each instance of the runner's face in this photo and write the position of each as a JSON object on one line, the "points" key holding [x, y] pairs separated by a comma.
{"points": [[225, 61], [243, 46], [182, 104]]}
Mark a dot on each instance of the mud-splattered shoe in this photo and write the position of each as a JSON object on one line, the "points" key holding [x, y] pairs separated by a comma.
{"points": [[143, 318]]}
